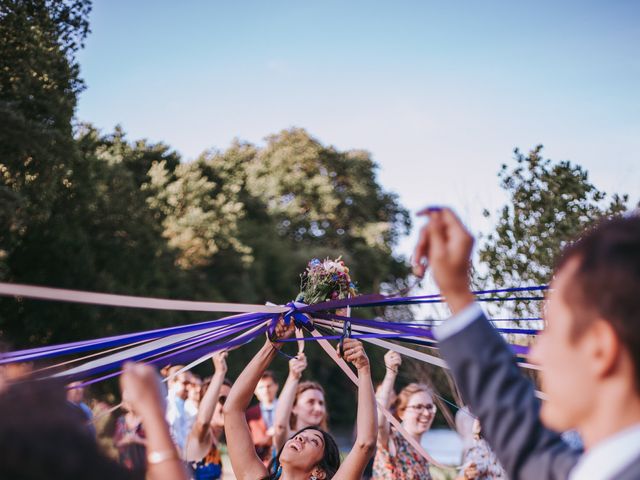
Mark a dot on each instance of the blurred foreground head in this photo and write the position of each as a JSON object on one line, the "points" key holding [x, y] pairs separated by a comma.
{"points": [[590, 348], [42, 436]]}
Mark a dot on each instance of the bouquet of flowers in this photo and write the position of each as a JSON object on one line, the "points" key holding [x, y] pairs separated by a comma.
{"points": [[325, 280]]}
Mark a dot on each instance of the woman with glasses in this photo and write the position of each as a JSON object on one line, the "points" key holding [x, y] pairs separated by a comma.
{"points": [[396, 458], [201, 450]]}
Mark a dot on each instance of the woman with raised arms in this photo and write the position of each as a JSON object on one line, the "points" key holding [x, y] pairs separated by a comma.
{"points": [[311, 453]]}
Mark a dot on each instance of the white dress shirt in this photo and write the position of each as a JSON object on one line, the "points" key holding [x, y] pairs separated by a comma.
{"points": [[608, 458]]}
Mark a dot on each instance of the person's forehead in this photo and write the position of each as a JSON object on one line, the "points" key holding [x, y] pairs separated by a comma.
{"points": [[266, 382], [312, 394], [225, 389], [419, 397]]}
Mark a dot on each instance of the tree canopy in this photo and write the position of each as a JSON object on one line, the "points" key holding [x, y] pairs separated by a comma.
{"points": [[550, 203]]}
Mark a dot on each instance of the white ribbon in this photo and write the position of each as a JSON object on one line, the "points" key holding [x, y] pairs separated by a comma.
{"points": [[93, 298]]}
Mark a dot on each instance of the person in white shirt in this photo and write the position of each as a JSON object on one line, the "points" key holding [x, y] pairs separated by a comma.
{"points": [[191, 404], [176, 396], [589, 354]]}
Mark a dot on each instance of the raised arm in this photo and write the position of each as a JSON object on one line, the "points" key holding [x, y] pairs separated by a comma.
{"points": [[141, 390], [201, 430], [244, 460], [482, 364], [366, 423], [297, 365], [392, 362]]}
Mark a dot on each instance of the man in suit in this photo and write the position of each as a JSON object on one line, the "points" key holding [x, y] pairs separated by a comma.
{"points": [[260, 417], [589, 353]]}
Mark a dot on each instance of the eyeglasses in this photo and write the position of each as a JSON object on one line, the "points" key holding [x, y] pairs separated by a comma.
{"points": [[431, 408], [222, 399]]}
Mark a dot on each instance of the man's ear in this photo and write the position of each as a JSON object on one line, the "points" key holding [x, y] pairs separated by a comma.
{"points": [[605, 348]]}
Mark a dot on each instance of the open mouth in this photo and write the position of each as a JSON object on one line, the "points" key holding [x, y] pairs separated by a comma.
{"points": [[297, 446]]}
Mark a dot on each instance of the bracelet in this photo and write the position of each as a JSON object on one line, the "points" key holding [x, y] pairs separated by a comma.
{"points": [[153, 458], [392, 369]]}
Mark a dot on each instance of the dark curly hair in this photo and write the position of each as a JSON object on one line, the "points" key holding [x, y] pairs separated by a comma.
{"points": [[330, 462]]}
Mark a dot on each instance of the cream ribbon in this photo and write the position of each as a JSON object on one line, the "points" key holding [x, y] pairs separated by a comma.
{"points": [[93, 298]]}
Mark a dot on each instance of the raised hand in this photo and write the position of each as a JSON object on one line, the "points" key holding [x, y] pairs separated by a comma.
{"points": [[140, 386], [297, 365], [220, 361], [354, 353], [281, 332], [445, 246], [392, 360]]}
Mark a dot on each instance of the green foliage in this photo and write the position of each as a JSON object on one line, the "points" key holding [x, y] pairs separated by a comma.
{"points": [[85, 210], [38, 87], [549, 204]]}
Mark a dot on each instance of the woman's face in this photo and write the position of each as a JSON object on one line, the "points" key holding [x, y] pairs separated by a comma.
{"points": [[303, 451], [309, 409], [217, 420], [419, 413]]}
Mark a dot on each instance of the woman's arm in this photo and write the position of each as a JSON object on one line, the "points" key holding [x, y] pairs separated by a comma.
{"points": [[297, 365], [141, 389], [244, 460], [208, 403], [366, 424], [392, 362]]}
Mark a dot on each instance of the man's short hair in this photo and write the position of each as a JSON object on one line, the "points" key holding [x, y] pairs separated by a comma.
{"points": [[606, 282], [269, 374]]}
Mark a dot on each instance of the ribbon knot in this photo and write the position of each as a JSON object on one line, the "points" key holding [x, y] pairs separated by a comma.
{"points": [[300, 320]]}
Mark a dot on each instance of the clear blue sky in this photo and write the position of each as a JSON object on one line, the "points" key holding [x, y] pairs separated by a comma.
{"points": [[439, 92]]}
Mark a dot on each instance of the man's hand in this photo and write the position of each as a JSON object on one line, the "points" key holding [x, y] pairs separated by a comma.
{"points": [[445, 246]]}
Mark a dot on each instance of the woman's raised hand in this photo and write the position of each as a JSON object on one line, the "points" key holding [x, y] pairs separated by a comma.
{"points": [[392, 360], [354, 353], [281, 332], [220, 361], [140, 387], [297, 365]]}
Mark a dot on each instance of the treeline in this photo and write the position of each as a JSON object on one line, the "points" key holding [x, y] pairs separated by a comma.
{"points": [[83, 209]]}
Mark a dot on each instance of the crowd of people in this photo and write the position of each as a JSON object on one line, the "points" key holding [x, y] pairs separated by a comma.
{"points": [[590, 352]]}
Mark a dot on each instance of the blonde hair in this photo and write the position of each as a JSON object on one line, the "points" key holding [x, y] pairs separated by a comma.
{"points": [[406, 393], [303, 387]]}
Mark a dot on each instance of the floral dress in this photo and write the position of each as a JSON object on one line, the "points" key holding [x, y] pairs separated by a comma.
{"points": [[406, 464], [486, 461]]}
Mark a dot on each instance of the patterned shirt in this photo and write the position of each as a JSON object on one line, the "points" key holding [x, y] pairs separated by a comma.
{"points": [[486, 461], [406, 464]]}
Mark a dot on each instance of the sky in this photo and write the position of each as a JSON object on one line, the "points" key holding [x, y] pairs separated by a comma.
{"points": [[440, 93]]}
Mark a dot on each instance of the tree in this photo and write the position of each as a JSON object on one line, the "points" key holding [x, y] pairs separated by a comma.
{"points": [[39, 84], [550, 204]]}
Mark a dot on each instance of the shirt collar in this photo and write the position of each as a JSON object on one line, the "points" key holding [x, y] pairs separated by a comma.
{"points": [[609, 457]]}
